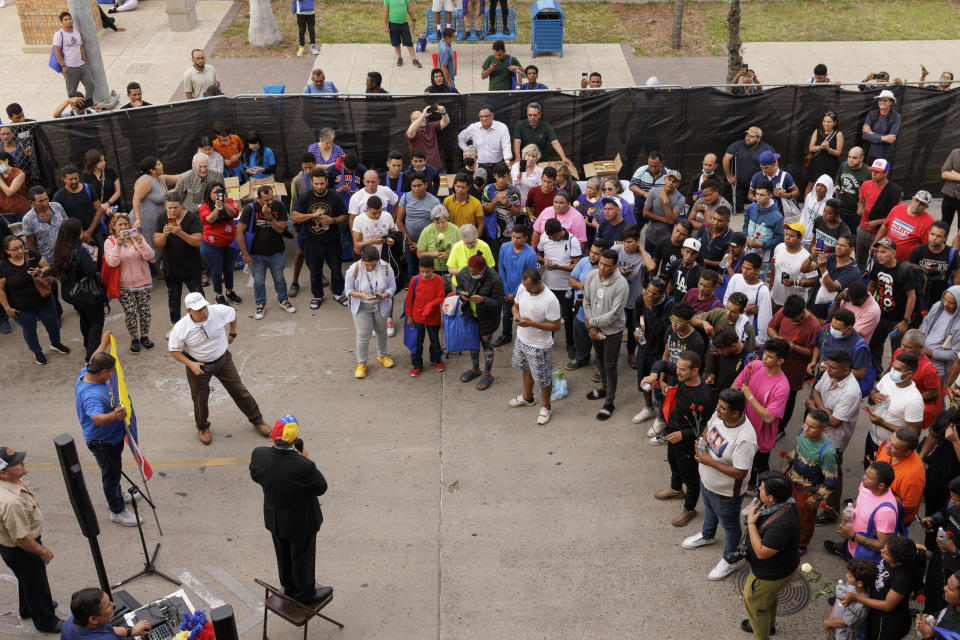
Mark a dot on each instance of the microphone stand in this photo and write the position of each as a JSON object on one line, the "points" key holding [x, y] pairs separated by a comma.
{"points": [[149, 562]]}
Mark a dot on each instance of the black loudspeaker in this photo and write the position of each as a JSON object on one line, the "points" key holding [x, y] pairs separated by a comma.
{"points": [[76, 487], [224, 623]]}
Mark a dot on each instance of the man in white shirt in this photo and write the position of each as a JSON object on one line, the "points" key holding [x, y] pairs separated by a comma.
{"points": [[69, 51], [536, 314], [490, 137], [725, 454], [371, 187], [758, 310], [373, 226], [896, 402], [837, 393], [788, 258], [199, 340]]}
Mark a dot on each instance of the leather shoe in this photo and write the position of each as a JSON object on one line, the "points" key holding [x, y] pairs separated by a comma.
{"points": [[263, 429], [836, 548], [745, 625], [57, 628], [824, 518], [319, 595], [204, 436]]}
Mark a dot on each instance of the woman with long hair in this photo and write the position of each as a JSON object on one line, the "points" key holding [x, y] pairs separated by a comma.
{"points": [[103, 181], [11, 144], [21, 298], [826, 149], [370, 285], [149, 213], [75, 261], [258, 159], [132, 255], [218, 214]]}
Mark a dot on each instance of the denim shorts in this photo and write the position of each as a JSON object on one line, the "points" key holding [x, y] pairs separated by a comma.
{"points": [[400, 32]]}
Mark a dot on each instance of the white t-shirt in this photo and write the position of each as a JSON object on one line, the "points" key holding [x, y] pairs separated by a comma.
{"points": [[789, 263], [370, 228], [757, 294], [902, 406], [69, 44], [358, 201], [843, 400], [543, 307], [203, 341], [564, 252], [730, 445]]}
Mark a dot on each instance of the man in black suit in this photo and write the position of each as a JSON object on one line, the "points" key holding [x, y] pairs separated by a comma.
{"points": [[291, 512]]}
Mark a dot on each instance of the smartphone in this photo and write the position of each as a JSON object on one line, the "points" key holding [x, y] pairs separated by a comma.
{"points": [[207, 368], [128, 233], [784, 276], [584, 74], [221, 195], [171, 220], [819, 244], [746, 67]]}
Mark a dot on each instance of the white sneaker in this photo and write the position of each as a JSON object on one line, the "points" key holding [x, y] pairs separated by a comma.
{"points": [[658, 440], [657, 427], [125, 517], [696, 540], [126, 497], [258, 314], [168, 331], [286, 306], [644, 415], [722, 570], [391, 331], [544, 416], [519, 401]]}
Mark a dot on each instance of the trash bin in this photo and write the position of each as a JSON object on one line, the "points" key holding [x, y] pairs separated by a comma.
{"points": [[547, 19]]}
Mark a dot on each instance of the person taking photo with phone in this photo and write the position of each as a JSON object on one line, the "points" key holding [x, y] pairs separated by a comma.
{"points": [[127, 250]]}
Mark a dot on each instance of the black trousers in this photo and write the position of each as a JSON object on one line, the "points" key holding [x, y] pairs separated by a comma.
{"points": [[788, 412], [175, 288], [684, 470], [36, 602], [296, 564], [880, 335], [503, 12], [608, 357], [315, 255], [305, 23], [565, 298], [91, 326]]}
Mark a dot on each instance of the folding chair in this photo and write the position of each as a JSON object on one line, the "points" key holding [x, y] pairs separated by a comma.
{"points": [[294, 612]]}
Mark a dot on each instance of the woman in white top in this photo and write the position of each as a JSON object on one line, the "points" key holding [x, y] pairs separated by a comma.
{"points": [[206, 148], [370, 285], [530, 176]]}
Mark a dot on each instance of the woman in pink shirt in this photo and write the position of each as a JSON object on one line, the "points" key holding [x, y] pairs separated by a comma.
{"points": [[126, 249], [570, 218]]}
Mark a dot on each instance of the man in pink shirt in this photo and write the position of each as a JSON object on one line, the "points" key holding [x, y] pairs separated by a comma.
{"points": [[864, 308], [570, 218], [766, 389], [908, 225], [874, 491]]}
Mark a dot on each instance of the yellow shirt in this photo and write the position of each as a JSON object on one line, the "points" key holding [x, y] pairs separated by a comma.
{"points": [[20, 514], [459, 255], [461, 213]]}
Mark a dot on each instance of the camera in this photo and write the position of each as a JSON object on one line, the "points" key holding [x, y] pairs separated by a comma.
{"points": [[737, 554], [433, 115]]}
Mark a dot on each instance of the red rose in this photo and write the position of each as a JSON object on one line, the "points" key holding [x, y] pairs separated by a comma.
{"points": [[823, 505], [708, 329], [783, 454], [691, 407], [867, 409], [949, 534], [923, 313], [921, 598], [700, 407]]}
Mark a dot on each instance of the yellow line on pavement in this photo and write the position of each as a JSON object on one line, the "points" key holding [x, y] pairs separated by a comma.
{"points": [[158, 465]]}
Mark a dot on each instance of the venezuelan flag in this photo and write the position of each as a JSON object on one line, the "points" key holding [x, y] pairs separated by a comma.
{"points": [[119, 387]]}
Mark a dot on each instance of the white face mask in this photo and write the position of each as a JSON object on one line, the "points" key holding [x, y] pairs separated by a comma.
{"points": [[895, 376], [4, 167], [836, 333]]}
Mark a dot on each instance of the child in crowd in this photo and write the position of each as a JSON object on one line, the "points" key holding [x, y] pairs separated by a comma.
{"points": [[812, 468], [422, 306], [844, 622]]}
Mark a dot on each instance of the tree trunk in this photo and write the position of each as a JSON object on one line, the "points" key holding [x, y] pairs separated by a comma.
{"points": [[677, 24], [734, 45], [263, 29]]}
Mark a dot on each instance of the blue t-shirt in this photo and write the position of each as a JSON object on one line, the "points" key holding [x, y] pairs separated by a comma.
{"points": [[93, 399], [445, 59], [511, 264], [328, 87], [827, 343], [537, 87], [780, 175], [580, 273], [73, 632]]}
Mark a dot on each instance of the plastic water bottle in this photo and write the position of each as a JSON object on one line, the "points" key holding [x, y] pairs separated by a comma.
{"points": [[701, 445], [647, 386], [725, 261], [941, 534], [929, 621], [848, 512], [841, 589]]}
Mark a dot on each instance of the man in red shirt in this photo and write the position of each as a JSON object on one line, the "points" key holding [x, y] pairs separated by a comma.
{"points": [[908, 225], [539, 198], [927, 378], [795, 324], [877, 197]]}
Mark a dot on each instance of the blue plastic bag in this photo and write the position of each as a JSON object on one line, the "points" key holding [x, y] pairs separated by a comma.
{"points": [[460, 332], [559, 386], [409, 335]]}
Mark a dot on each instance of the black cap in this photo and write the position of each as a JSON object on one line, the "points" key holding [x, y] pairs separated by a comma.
{"points": [[737, 240], [10, 458]]}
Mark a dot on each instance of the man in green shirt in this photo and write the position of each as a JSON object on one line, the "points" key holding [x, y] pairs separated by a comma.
{"points": [[850, 176], [535, 130], [395, 14], [499, 68]]}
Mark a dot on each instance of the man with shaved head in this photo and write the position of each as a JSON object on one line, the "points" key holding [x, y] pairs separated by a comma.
{"points": [[850, 176], [424, 133], [710, 171], [371, 187]]}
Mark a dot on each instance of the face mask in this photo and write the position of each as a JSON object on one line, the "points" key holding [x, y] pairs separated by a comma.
{"points": [[476, 277], [4, 167], [835, 333], [896, 377]]}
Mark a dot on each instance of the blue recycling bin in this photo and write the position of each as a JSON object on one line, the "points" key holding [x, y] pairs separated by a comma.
{"points": [[547, 20]]}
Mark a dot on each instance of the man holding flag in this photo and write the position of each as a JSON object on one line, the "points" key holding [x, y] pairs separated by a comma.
{"points": [[103, 416]]}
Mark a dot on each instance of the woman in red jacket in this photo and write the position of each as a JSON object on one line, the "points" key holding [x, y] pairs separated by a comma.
{"points": [[218, 214], [422, 307]]}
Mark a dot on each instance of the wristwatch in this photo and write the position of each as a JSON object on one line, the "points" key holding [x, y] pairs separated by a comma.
{"points": [[232, 335]]}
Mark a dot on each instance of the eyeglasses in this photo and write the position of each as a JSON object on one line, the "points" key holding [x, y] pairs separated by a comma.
{"points": [[203, 330]]}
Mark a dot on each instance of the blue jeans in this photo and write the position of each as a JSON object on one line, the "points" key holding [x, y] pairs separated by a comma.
{"points": [[221, 261], [259, 268], [433, 330], [109, 460], [47, 314], [724, 510]]}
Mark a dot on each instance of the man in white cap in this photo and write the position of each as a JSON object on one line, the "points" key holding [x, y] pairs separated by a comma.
{"points": [[684, 274], [881, 128], [908, 225], [21, 525], [200, 340]]}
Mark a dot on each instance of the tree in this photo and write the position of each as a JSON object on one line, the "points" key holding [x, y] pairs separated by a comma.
{"points": [[734, 45], [677, 24], [263, 29]]}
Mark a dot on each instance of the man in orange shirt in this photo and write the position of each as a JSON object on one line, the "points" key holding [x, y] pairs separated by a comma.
{"points": [[899, 450]]}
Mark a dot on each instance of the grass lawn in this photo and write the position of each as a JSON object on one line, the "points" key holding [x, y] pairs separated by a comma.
{"points": [[644, 26]]}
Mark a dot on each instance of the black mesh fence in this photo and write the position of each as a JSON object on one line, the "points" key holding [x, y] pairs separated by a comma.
{"points": [[683, 124]]}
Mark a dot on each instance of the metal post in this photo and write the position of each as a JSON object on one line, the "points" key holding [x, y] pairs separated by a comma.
{"points": [[84, 22]]}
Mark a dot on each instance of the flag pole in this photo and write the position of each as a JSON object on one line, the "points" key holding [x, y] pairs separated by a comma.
{"points": [[146, 485]]}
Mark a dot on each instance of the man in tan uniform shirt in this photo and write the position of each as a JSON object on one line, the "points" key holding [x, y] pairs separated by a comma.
{"points": [[21, 524]]}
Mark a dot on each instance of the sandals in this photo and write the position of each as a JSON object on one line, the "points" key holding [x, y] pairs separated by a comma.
{"points": [[605, 412], [469, 375], [596, 394], [484, 383]]}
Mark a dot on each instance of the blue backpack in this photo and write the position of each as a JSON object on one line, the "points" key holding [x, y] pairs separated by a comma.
{"points": [[900, 530]]}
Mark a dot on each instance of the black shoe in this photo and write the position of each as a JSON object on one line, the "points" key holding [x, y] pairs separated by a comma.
{"points": [[60, 348], [480, 35], [605, 411], [146, 343], [220, 299], [234, 297], [506, 30], [824, 518], [836, 548], [319, 595], [573, 365], [571, 353], [287, 234], [745, 625], [596, 394], [39, 358], [293, 290], [135, 346]]}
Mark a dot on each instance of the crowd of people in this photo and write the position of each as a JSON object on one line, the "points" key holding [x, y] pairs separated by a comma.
{"points": [[725, 323]]}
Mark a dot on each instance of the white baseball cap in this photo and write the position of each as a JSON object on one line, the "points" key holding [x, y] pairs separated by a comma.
{"points": [[195, 301], [691, 243]]}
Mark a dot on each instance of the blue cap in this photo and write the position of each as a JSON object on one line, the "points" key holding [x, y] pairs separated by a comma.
{"points": [[607, 199], [768, 157]]}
